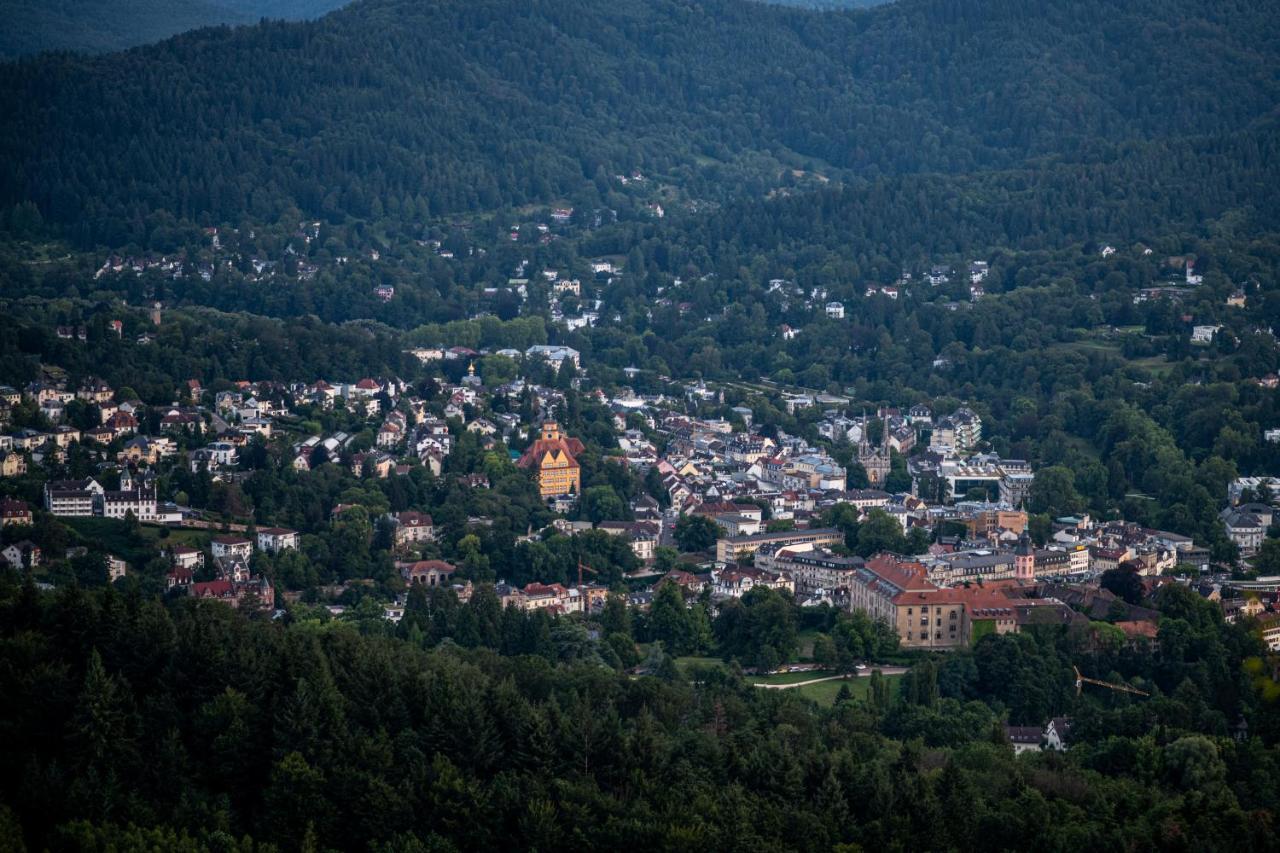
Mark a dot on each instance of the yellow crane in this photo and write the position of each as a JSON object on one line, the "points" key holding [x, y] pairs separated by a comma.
{"points": [[1082, 680]]}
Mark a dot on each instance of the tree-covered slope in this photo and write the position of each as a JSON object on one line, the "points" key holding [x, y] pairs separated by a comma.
{"points": [[1131, 192], [132, 726], [476, 104], [32, 26]]}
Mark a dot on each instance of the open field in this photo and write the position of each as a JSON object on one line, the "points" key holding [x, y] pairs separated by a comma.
{"points": [[825, 692], [114, 537]]}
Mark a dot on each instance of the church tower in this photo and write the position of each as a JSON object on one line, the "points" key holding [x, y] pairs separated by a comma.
{"points": [[1024, 558], [874, 460]]}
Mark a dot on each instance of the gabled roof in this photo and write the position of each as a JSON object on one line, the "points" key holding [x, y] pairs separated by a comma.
{"points": [[413, 518], [557, 448]]}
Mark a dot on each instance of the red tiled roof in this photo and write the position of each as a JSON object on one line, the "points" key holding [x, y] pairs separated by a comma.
{"points": [[532, 457], [1136, 629], [430, 566], [213, 589]]}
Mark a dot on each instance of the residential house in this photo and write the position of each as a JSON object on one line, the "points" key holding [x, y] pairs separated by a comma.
{"points": [[412, 527], [149, 450], [641, 535], [1024, 738], [736, 581], [12, 463], [184, 557], [21, 555], [231, 547], [14, 512], [273, 540], [1247, 526], [554, 597], [691, 584]]}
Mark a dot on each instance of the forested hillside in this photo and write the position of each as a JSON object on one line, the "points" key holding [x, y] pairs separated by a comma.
{"points": [[475, 105], [134, 726], [32, 26], [1125, 193], [1057, 216], [829, 4]]}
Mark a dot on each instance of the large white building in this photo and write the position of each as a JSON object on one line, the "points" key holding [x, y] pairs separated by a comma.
{"points": [[1247, 526], [72, 497], [556, 355], [141, 502]]}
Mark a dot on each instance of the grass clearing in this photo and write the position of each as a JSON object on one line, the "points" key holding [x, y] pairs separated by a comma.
{"points": [[790, 677], [690, 662], [114, 537], [825, 692]]}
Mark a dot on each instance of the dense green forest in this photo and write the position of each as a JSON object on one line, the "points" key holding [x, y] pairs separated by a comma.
{"points": [[460, 106], [829, 4], [33, 26], [308, 199], [134, 725]]}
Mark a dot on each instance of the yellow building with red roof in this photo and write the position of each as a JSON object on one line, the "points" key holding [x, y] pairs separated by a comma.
{"points": [[552, 459]]}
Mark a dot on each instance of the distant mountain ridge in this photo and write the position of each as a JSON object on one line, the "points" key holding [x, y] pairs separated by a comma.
{"points": [[464, 105], [828, 4], [96, 26]]}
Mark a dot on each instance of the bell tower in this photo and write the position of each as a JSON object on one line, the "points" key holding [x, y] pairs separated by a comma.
{"points": [[1024, 558]]}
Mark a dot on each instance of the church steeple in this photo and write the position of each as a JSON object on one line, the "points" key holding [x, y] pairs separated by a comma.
{"points": [[874, 458], [1024, 558]]}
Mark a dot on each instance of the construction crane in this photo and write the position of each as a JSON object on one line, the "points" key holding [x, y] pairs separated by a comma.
{"points": [[581, 568], [1082, 680]]}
